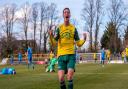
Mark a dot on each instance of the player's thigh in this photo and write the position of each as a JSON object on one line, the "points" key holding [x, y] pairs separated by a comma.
{"points": [[71, 62], [62, 64]]}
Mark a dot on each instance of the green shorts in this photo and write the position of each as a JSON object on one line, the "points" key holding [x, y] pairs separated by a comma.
{"points": [[127, 58], [66, 61]]}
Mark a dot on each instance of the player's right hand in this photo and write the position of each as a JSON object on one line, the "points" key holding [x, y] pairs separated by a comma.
{"points": [[85, 36], [50, 32]]}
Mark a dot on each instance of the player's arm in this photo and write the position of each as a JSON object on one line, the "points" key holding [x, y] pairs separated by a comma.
{"points": [[79, 42], [54, 39], [27, 52]]}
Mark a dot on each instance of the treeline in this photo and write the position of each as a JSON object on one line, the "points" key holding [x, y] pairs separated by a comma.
{"points": [[26, 22], [32, 22], [111, 14]]}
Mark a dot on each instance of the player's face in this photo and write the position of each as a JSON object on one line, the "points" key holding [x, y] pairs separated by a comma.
{"points": [[66, 15]]}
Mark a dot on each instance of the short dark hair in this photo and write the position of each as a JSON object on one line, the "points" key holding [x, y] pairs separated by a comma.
{"points": [[66, 9]]}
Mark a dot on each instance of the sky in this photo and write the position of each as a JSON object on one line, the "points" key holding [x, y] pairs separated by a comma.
{"points": [[75, 6]]}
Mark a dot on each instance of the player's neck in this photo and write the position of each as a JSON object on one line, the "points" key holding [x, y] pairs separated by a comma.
{"points": [[66, 23]]}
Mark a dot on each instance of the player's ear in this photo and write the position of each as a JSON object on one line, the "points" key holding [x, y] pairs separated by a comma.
{"points": [[63, 15], [69, 15]]}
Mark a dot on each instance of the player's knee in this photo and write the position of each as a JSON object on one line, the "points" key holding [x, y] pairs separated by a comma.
{"points": [[70, 74], [69, 77], [61, 75]]}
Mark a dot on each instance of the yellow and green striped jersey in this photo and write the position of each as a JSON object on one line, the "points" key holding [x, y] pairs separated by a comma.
{"points": [[123, 53], [126, 50], [51, 55], [94, 55], [108, 53], [67, 37]]}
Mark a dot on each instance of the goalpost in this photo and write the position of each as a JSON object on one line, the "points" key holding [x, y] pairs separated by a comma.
{"points": [[89, 57]]}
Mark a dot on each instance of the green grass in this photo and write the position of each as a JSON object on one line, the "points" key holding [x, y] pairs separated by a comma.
{"points": [[87, 76]]}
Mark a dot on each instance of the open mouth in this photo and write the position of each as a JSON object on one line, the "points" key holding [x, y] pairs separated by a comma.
{"points": [[67, 17]]}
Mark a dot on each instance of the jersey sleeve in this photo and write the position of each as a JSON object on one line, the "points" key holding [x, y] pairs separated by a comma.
{"points": [[29, 51], [56, 36], [76, 37], [79, 42]]}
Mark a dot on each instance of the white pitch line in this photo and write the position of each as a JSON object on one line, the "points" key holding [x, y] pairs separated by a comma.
{"points": [[101, 73], [85, 74]]}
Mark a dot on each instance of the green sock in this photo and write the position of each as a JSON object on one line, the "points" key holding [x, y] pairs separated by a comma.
{"points": [[70, 84], [62, 85]]}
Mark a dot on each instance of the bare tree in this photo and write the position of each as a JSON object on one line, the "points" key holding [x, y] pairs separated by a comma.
{"points": [[24, 21], [118, 15], [51, 18], [43, 7], [126, 37], [88, 16], [7, 23], [99, 13], [34, 20]]}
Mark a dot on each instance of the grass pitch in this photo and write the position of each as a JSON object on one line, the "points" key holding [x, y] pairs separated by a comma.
{"points": [[87, 76]]}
